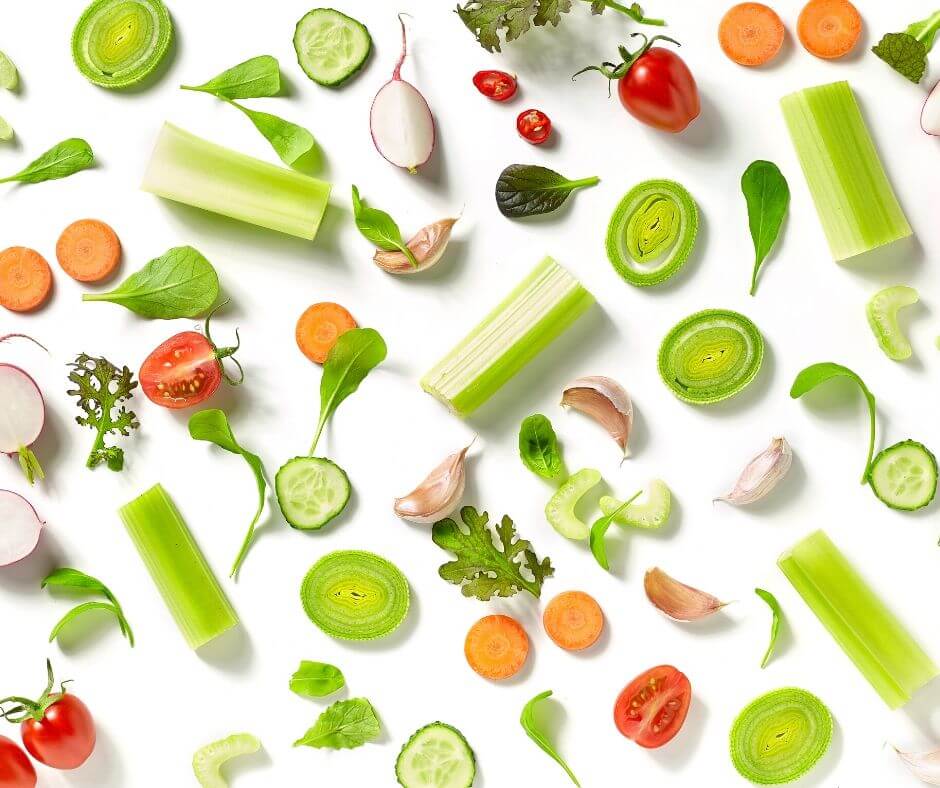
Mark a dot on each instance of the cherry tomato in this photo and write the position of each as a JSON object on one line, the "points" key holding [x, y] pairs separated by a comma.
{"points": [[660, 91], [651, 708], [64, 737], [16, 770], [534, 126], [496, 85]]}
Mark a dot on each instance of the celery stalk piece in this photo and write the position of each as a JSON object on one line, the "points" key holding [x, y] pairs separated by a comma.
{"points": [[178, 568], [188, 169], [540, 308], [854, 200], [879, 645]]}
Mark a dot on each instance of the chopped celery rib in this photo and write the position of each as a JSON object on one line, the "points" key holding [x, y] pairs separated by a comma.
{"points": [[879, 645], [188, 169], [177, 567], [856, 205], [537, 311]]}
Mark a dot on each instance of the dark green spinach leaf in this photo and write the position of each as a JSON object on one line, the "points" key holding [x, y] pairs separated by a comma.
{"points": [[527, 190], [768, 198], [538, 447]]}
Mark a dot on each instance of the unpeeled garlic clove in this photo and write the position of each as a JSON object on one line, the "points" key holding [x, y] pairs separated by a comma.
{"points": [[439, 494], [677, 600], [924, 766], [761, 474], [605, 401], [427, 245]]}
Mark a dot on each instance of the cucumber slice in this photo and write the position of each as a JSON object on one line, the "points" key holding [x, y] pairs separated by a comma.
{"points": [[559, 511], [904, 476], [652, 513], [436, 756], [882, 313], [311, 491], [331, 46], [208, 760]]}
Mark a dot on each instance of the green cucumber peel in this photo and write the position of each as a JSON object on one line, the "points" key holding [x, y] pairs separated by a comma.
{"points": [[777, 612], [533, 731], [599, 531], [538, 447], [882, 313], [209, 760], [80, 583], [61, 160], [346, 724], [768, 198], [316, 679]]}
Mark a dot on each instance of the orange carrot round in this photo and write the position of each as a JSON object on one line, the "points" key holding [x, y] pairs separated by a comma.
{"points": [[829, 28], [751, 34], [88, 250], [25, 279], [496, 647], [319, 327], [573, 620]]}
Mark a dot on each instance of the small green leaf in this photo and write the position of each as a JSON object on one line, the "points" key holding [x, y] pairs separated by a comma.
{"points": [[290, 141], [379, 228], [60, 161], [9, 77], [768, 199], [316, 679], [599, 531], [75, 580], [527, 190], [777, 611], [85, 607], [531, 727], [256, 77], [344, 725], [538, 447]]}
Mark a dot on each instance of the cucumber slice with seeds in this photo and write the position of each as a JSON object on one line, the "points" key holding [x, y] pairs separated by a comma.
{"points": [[436, 756], [882, 313], [904, 476], [559, 511], [331, 46], [311, 491], [652, 513], [208, 760]]}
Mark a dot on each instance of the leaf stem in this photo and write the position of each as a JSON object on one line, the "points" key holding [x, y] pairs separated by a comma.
{"points": [[634, 12]]}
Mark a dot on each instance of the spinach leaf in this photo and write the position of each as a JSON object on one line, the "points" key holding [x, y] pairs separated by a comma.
{"points": [[599, 531], [768, 198], [316, 679], [9, 77], [289, 140], [344, 725], [777, 612], [75, 580], [530, 726], [60, 161], [179, 283], [379, 228], [538, 447], [256, 77], [527, 190], [212, 425], [355, 354]]}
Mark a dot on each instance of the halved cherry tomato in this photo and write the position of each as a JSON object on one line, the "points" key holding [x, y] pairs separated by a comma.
{"points": [[651, 708], [534, 126], [496, 85], [16, 770]]}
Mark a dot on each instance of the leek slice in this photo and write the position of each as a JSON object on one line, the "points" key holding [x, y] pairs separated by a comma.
{"points": [[535, 313], [854, 200], [870, 635], [177, 566], [188, 169]]}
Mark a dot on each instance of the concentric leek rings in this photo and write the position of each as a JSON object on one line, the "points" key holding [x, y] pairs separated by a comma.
{"points": [[355, 595], [710, 356], [118, 43], [780, 736]]}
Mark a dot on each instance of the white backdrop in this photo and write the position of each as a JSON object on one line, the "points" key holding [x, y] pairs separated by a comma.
{"points": [[156, 703]]}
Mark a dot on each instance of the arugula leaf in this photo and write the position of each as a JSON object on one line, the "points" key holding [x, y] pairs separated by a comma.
{"points": [[482, 569], [777, 611], [60, 161], [179, 283], [344, 725], [102, 387], [538, 447], [528, 190], [75, 580], [316, 679], [379, 228], [768, 199], [257, 77], [290, 141], [599, 531], [530, 726], [9, 77], [212, 425]]}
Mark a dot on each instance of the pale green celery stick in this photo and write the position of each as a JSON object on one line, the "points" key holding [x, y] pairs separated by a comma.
{"points": [[856, 205], [535, 313], [879, 645], [188, 169], [177, 566]]}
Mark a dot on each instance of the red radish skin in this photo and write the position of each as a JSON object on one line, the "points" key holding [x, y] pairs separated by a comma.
{"points": [[930, 114], [21, 528], [22, 415]]}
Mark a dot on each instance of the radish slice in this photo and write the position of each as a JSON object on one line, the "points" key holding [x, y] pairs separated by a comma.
{"points": [[20, 527], [22, 414], [930, 114], [400, 120]]}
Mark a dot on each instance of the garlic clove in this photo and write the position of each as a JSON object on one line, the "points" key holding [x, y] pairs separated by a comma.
{"points": [[439, 494], [924, 766], [761, 474], [677, 600], [427, 245], [605, 401]]}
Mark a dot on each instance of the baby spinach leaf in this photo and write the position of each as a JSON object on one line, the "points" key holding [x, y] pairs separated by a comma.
{"points": [[316, 679], [527, 190], [538, 447], [212, 425], [531, 727], [344, 725], [179, 283], [355, 354], [777, 611], [379, 228], [9, 77], [289, 140], [75, 580], [768, 198], [599, 531], [60, 161], [256, 77]]}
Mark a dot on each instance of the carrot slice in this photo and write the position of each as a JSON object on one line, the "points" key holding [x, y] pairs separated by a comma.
{"points": [[319, 327], [496, 647], [573, 620], [751, 34], [25, 279], [829, 28], [88, 250]]}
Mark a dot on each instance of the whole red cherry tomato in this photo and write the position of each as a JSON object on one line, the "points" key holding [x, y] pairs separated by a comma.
{"points": [[534, 126], [651, 708], [496, 85], [16, 770], [186, 369]]}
